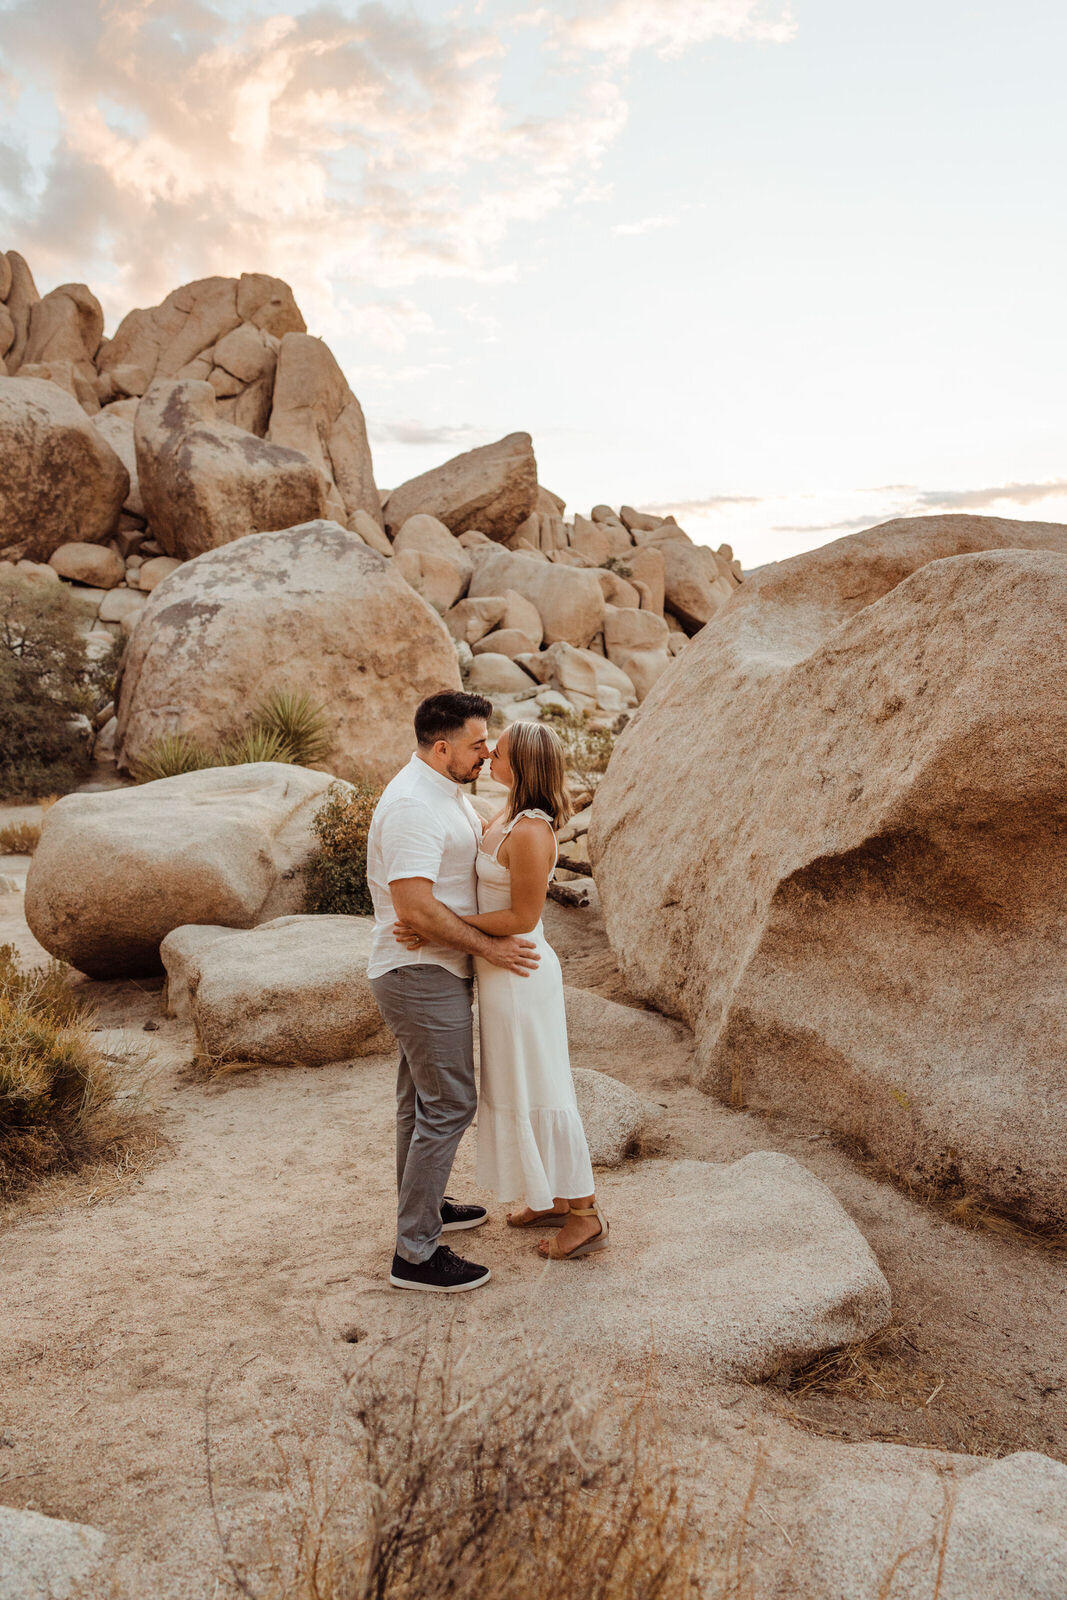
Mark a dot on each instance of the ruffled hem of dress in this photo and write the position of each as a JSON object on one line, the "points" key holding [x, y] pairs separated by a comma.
{"points": [[533, 1155]]}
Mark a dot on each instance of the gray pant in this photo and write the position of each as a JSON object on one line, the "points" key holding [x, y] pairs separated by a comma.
{"points": [[429, 1010]]}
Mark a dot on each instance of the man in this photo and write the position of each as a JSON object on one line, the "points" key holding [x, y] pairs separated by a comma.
{"points": [[421, 853]]}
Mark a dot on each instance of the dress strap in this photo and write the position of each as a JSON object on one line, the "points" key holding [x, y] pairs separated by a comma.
{"points": [[533, 812], [543, 816]]}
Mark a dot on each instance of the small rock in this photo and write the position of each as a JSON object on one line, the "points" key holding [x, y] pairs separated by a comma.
{"points": [[44, 1558], [613, 1116], [153, 571], [94, 564]]}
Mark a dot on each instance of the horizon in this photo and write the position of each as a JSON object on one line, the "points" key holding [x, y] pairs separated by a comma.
{"points": [[782, 271]]}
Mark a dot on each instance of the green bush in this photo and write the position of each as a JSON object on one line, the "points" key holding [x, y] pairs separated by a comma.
{"points": [[47, 680], [336, 878], [588, 749], [53, 1081]]}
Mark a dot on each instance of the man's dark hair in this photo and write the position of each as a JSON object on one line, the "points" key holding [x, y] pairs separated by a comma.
{"points": [[442, 716]]}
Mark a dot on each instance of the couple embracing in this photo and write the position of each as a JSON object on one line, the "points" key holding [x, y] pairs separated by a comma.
{"points": [[448, 889]]}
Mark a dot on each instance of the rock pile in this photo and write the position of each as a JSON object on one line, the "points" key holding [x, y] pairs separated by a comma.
{"points": [[861, 912], [215, 416]]}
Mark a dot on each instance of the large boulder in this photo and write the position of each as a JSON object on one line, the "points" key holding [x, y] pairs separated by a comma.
{"points": [[315, 411], [857, 893], [433, 561], [66, 325], [59, 478], [293, 991], [693, 591], [184, 330], [308, 609], [995, 1533], [205, 482], [730, 1271], [569, 601], [118, 431], [243, 365], [19, 301], [646, 567], [45, 1558], [492, 488], [116, 872]]}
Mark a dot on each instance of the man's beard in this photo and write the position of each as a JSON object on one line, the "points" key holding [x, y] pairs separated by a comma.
{"points": [[459, 776]]}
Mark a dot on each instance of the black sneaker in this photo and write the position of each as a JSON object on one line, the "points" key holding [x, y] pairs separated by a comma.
{"points": [[444, 1273], [456, 1217]]}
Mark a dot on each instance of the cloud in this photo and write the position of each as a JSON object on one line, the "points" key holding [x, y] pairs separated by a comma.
{"points": [[463, 434], [1019, 494], [646, 225], [696, 508], [352, 149], [619, 29]]}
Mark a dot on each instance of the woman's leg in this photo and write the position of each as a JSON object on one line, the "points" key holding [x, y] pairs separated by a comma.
{"points": [[527, 1215]]}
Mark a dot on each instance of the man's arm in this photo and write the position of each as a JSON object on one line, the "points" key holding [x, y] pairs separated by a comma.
{"points": [[414, 903]]}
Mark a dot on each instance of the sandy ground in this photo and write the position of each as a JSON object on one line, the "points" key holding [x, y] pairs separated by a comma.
{"points": [[222, 1281]]}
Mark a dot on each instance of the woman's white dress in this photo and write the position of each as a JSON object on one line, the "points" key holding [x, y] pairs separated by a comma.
{"points": [[531, 1143]]}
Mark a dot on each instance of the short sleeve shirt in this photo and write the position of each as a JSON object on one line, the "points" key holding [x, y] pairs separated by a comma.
{"points": [[423, 827]]}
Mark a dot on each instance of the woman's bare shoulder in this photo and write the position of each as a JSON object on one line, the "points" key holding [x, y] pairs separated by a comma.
{"points": [[534, 831]]}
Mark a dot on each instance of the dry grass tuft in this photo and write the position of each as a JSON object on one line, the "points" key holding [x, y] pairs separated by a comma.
{"points": [[883, 1366], [463, 1487], [19, 838], [57, 1097], [973, 1211]]}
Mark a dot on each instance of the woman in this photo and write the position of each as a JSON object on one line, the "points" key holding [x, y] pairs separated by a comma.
{"points": [[531, 1143]]}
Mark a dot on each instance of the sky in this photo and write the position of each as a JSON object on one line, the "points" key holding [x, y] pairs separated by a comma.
{"points": [[783, 269]]}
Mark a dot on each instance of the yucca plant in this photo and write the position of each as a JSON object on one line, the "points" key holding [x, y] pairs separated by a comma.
{"points": [[255, 744], [298, 721], [169, 755]]}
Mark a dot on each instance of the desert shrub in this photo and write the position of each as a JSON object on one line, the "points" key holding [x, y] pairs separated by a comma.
{"points": [[298, 722], [53, 1081], [588, 749], [463, 1486], [620, 566], [47, 681], [19, 838], [336, 876]]}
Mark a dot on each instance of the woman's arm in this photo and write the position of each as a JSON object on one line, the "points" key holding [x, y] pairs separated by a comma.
{"points": [[531, 856]]}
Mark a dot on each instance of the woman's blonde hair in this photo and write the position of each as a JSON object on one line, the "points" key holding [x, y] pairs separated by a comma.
{"points": [[538, 762]]}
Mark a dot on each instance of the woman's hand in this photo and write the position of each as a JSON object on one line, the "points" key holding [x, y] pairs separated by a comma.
{"points": [[408, 936]]}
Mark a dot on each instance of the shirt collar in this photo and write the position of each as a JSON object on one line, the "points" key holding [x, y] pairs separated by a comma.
{"points": [[437, 780]]}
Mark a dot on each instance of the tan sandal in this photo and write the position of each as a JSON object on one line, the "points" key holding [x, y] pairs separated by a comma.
{"points": [[541, 1219], [599, 1241]]}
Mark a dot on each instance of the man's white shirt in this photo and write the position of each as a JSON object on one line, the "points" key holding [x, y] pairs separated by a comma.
{"points": [[423, 827]]}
